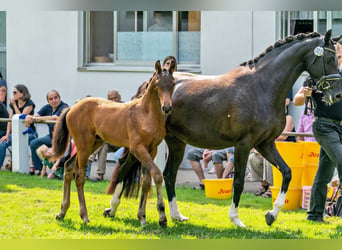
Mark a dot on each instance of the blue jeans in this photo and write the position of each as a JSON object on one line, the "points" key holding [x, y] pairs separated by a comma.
{"points": [[4, 145], [36, 143], [329, 136]]}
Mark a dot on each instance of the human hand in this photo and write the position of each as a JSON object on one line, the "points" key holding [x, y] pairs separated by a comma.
{"points": [[4, 138], [207, 155], [307, 91], [12, 101], [28, 120]]}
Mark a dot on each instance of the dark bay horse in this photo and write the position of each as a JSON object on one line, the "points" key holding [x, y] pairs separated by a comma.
{"points": [[245, 108], [138, 125]]}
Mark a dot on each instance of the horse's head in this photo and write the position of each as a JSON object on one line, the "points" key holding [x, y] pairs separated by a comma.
{"points": [[323, 68], [165, 84]]}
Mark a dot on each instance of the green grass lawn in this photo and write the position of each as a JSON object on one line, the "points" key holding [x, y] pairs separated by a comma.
{"points": [[28, 206]]}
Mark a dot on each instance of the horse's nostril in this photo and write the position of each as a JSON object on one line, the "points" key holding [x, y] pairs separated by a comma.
{"points": [[166, 109], [339, 96]]}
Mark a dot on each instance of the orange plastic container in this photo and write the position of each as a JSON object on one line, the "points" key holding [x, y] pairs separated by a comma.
{"points": [[218, 188]]}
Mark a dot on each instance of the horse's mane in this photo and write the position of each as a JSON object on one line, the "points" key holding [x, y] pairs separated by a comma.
{"points": [[279, 43]]}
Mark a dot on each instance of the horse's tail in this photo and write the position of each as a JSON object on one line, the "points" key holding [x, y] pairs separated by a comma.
{"points": [[127, 171], [60, 138]]}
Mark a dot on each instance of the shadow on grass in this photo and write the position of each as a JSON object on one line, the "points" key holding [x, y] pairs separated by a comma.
{"points": [[180, 230]]}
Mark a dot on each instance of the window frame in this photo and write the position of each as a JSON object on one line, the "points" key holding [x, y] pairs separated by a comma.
{"points": [[84, 63], [284, 20]]}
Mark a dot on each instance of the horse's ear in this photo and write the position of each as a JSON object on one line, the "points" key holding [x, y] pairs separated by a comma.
{"points": [[327, 37], [172, 66], [336, 39], [157, 67]]}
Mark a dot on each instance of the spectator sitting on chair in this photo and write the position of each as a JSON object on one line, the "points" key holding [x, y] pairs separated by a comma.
{"points": [[50, 111], [3, 112], [195, 155], [21, 103]]}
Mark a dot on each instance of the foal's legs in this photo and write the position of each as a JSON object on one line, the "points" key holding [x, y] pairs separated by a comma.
{"points": [[271, 154], [176, 152], [150, 168], [68, 175], [81, 166]]}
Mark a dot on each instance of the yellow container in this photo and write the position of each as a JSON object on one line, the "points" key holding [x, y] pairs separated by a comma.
{"points": [[309, 172], [296, 177], [311, 153], [310, 162], [218, 188], [293, 197], [292, 152]]}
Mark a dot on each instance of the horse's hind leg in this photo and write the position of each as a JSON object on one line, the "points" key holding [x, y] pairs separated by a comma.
{"points": [[115, 201], [271, 154], [68, 175]]}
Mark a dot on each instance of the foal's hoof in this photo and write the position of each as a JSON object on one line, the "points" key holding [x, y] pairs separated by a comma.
{"points": [[59, 217], [106, 213], [163, 223], [269, 218]]}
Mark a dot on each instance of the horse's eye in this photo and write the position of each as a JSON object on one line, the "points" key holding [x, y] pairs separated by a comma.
{"points": [[331, 60]]}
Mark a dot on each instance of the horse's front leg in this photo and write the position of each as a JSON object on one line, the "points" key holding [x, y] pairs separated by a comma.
{"points": [[240, 163], [150, 168], [68, 175], [175, 157], [271, 154]]}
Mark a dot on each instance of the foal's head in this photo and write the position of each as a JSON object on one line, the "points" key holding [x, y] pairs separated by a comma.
{"points": [[164, 82]]}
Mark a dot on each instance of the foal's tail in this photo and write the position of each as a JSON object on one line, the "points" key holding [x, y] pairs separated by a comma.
{"points": [[127, 171], [60, 138]]}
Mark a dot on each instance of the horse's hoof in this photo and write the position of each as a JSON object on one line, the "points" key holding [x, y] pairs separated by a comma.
{"points": [[180, 218], [59, 217], [269, 218], [163, 223], [107, 213], [143, 223]]}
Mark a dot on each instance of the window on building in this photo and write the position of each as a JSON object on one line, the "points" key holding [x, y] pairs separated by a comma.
{"points": [[294, 22], [138, 38]]}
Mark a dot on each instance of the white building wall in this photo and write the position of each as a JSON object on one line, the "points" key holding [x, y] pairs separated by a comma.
{"points": [[42, 52]]}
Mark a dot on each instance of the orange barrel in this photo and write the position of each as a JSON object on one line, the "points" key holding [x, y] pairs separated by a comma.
{"points": [[292, 153], [310, 162]]}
